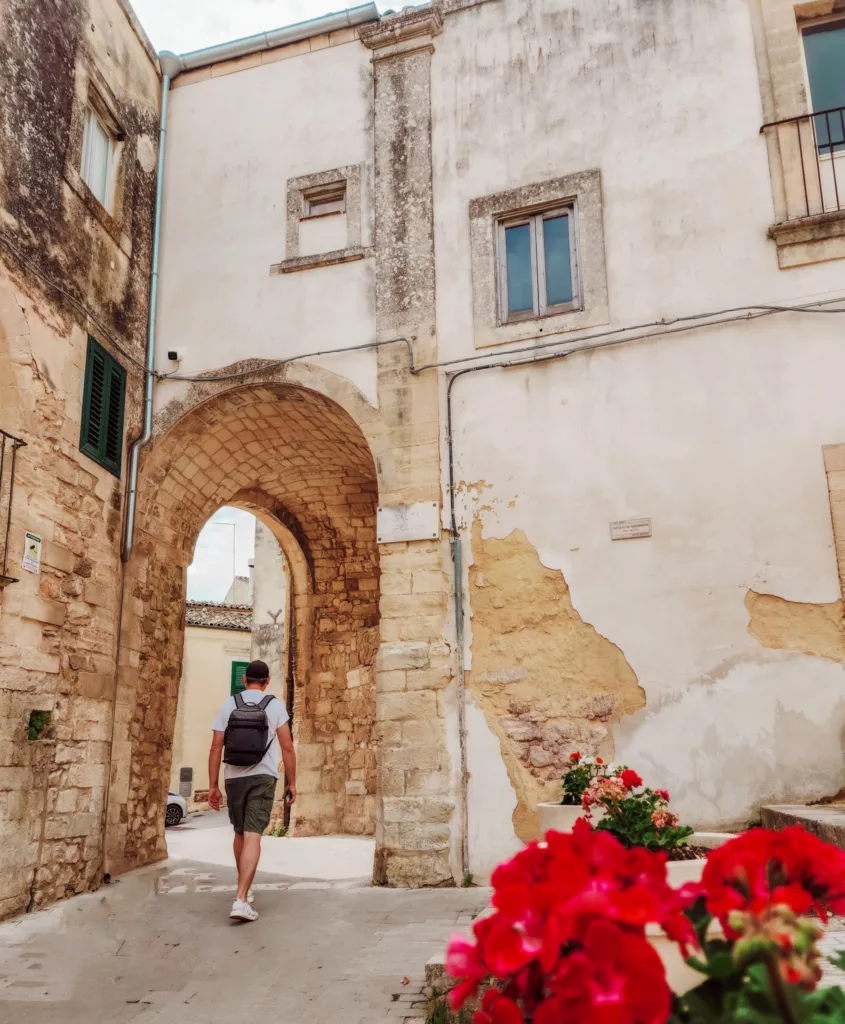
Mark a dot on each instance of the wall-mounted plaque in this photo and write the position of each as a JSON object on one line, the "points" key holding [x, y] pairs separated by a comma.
{"points": [[420, 521], [31, 560], [630, 529]]}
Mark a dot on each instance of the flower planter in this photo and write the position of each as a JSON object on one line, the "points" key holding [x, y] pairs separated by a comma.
{"points": [[682, 871], [679, 976], [560, 818]]}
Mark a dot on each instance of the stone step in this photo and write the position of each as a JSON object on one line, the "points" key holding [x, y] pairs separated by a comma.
{"points": [[827, 821]]}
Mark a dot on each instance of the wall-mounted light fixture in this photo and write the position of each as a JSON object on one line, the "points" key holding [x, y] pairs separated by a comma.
{"points": [[8, 463]]}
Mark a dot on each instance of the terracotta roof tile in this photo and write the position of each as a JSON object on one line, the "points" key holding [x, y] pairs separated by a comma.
{"points": [[218, 616]]}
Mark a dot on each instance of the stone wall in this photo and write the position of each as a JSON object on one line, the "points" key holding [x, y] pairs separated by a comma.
{"points": [[67, 268]]}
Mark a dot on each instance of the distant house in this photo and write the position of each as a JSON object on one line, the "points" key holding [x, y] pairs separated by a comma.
{"points": [[218, 645]]}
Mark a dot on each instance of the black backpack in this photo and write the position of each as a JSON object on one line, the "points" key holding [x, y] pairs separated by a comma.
{"points": [[245, 740]]}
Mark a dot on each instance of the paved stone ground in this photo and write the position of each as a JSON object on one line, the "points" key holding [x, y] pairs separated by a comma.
{"points": [[833, 944], [157, 948]]}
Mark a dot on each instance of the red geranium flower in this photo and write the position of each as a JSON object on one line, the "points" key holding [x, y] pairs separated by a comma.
{"points": [[599, 761], [762, 869], [568, 927], [663, 794], [498, 1009], [575, 757], [630, 778], [615, 978]]}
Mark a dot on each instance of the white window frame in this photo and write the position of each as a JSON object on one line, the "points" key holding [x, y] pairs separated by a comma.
{"points": [[333, 195], [93, 118], [535, 219]]}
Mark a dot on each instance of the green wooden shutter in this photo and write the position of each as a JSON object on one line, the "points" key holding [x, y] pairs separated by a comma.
{"points": [[238, 670], [103, 408]]}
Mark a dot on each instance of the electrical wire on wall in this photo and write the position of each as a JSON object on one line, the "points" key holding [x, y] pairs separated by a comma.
{"points": [[634, 332], [642, 331]]}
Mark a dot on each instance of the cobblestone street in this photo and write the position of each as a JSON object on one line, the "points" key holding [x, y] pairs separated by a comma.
{"points": [[158, 946]]}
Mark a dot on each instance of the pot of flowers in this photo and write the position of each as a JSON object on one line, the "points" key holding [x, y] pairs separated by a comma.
{"points": [[567, 941], [580, 773], [639, 816]]}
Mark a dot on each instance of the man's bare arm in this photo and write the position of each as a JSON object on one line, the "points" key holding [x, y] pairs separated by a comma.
{"points": [[215, 756], [289, 759]]}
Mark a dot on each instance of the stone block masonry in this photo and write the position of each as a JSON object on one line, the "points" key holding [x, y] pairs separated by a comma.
{"points": [[58, 627]]}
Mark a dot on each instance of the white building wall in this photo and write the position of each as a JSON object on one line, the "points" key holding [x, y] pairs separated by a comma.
{"points": [[717, 435], [233, 142]]}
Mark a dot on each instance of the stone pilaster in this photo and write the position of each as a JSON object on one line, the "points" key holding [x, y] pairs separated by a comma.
{"points": [[416, 805]]}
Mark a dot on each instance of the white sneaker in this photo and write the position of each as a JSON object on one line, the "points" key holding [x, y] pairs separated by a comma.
{"points": [[250, 898], [242, 911]]}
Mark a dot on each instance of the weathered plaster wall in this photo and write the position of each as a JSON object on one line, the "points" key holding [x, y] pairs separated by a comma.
{"points": [[717, 435], [728, 616], [664, 99], [57, 629], [547, 681], [270, 608]]}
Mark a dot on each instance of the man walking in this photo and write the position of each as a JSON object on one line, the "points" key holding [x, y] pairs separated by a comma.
{"points": [[248, 733]]}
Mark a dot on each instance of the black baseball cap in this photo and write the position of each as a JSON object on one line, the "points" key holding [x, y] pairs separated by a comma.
{"points": [[257, 671]]}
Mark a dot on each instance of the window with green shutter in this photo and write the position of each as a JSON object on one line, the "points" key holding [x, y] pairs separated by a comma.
{"points": [[102, 408], [238, 672]]}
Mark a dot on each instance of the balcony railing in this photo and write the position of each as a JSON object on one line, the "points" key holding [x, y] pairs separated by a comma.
{"points": [[812, 151], [8, 460]]}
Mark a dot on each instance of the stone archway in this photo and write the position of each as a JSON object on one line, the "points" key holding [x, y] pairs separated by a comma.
{"points": [[300, 462]]}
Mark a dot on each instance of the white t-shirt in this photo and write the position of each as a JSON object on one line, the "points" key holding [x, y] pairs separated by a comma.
{"points": [[276, 715]]}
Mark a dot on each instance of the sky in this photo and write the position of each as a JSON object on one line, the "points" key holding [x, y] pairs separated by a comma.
{"points": [[182, 25], [221, 554]]}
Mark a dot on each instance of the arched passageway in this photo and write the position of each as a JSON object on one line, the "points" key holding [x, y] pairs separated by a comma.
{"points": [[302, 465]]}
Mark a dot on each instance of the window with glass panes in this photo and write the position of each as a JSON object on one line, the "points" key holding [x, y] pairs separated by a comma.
{"points": [[824, 52], [537, 264], [97, 151]]}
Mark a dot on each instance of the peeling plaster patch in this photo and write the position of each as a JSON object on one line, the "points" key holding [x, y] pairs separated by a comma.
{"points": [[781, 625], [548, 682]]}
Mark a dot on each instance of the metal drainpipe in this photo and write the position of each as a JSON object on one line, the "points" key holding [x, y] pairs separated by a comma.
{"points": [[169, 66], [458, 568]]}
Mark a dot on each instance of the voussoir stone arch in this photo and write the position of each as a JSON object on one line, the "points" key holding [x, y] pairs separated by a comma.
{"points": [[312, 378], [299, 460]]}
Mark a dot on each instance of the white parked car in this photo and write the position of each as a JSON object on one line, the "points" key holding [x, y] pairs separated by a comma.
{"points": [[177, 809]]}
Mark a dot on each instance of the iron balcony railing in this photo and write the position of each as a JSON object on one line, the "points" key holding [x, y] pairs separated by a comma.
{"points": [[8, 463], [812, 151]]}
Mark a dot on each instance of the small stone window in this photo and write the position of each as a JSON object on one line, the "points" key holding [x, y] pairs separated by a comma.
{"points": [[323, 221], [538, 264], [102, 408]]}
